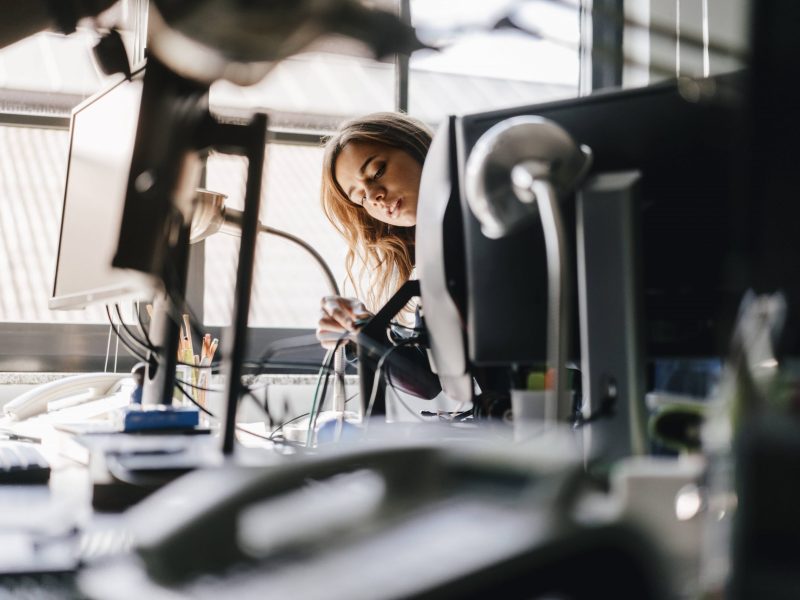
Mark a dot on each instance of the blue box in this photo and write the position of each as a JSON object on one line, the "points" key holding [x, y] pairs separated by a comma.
{"points": [[138, 418]]}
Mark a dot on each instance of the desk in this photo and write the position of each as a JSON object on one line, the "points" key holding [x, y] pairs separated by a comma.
{"points": [[48, 532], [100, 536], [63, 509]]}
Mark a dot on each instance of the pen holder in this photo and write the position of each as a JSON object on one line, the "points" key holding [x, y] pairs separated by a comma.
{"points": [[527, 411], [187, 377]]}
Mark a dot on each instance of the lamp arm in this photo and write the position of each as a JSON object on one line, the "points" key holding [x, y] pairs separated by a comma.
{"points": [[308, 248], [558, 294]]}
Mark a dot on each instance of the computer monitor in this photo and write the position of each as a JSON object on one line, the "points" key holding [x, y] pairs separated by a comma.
{"points": [[681, 139], [685, 150], [102, 133]]}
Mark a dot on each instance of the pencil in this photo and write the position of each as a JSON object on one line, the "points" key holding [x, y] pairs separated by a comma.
{"points": [[196, 372], [189, 349]]}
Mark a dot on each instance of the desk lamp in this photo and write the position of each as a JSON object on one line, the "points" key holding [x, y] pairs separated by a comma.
{"points": [[515, 175], [212, 216]]}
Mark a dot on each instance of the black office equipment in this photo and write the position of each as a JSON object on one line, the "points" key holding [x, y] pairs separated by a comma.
{"points": [[22, 463], [678, 143], [684, 150], [405, 520], [175, 128]]}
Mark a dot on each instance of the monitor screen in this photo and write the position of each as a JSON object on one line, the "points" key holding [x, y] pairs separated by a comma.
{"points": [[102, 135], [686, 152]]}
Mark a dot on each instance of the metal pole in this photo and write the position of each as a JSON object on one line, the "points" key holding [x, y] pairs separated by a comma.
{"points": [[256, 135]]}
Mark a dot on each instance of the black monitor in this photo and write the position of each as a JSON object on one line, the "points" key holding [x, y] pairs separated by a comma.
{"points": [[486, 298], [685, 150], [102, 135]]}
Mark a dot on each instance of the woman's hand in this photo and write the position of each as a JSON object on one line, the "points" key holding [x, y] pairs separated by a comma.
{"points": [[339, 316]]}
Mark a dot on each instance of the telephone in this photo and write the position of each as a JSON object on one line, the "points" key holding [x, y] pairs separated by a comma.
{"points": [[64, 393], [405, 520]]}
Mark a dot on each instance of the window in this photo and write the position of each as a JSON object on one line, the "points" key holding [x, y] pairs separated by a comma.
{"points": [[306, 96], [494, 55], [313, 91], [673, 38], [34, 140]]}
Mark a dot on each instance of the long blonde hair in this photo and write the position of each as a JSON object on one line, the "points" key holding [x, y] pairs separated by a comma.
{"points": [[386, 249]]}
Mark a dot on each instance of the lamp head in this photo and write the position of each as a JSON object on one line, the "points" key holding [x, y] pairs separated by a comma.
{"points": [[505, 162], [209, 215]]}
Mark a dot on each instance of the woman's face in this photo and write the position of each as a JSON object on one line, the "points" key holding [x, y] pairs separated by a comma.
{"points": [[382, 179]]}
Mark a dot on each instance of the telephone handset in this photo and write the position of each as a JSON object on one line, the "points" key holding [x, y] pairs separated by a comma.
{"points": [[63, 393]]}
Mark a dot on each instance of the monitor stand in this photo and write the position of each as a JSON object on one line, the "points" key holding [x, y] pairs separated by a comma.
{"points": [[159, 382], [609, 285]]}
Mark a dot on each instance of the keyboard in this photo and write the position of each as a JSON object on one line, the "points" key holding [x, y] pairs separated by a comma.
{"points": [[21, 462]]}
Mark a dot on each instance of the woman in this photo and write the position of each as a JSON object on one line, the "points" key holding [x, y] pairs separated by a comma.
{"points": [[370, 185]]}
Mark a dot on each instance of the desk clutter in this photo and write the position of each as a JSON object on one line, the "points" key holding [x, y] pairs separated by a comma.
{"points": [[556, 258], [443, 506]]}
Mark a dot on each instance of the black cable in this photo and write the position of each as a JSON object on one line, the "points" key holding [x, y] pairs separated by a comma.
{"points": [[403, 402], [213, 416], [253, 387], [312, 366], [131, 349], [327, 376], [152, 349], [155, 355], [179, 385], [130, 333], [285, 423], [265, 407], [175, 299], [292, 343], [297, 418], [195, 386], [374, 393]]}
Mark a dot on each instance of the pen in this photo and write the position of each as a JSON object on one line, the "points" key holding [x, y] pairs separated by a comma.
{"points": [[205, 349]]}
